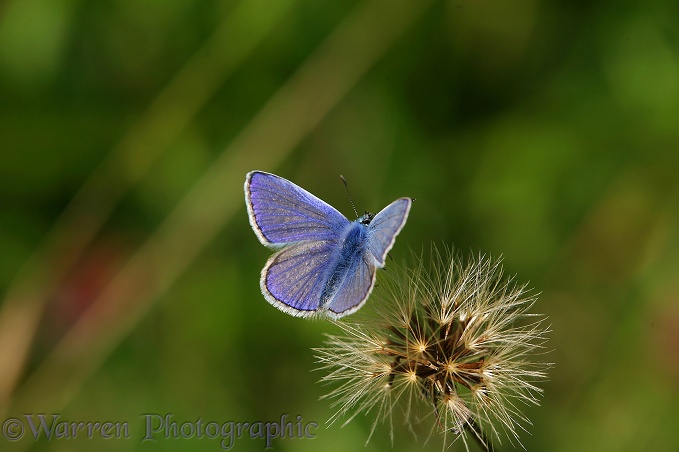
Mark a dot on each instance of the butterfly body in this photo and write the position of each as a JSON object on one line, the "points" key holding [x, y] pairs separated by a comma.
{"points": [[351, 250], [327, 263]]}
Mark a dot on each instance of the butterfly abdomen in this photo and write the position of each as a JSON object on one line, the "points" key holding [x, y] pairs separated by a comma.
{"points": [[352, 251]]}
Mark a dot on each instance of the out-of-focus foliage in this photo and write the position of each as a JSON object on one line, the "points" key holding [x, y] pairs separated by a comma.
{"points": [[545, 132]]}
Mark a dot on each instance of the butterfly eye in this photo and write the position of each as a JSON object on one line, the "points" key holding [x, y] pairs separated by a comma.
{"points": [[366, 218]]}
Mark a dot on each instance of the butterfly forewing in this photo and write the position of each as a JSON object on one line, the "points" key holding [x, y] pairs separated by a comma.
{"points": [[280, 212], [385, 226]]}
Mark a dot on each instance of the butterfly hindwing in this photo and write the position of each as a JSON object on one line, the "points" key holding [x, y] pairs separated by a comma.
{"points": [[295, 277], [352, 292]]}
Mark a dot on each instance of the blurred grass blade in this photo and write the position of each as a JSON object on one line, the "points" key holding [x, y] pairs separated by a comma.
{"points": [[170, 113]]}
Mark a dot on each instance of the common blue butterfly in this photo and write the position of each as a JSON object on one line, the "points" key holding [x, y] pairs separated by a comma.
{"points": [[327, 263]]}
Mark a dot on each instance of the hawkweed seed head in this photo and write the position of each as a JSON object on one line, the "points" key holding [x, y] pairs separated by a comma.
{"points": [[447, 342]]}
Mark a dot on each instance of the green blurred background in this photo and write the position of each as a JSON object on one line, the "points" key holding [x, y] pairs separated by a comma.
{"points": [[545, 132]]}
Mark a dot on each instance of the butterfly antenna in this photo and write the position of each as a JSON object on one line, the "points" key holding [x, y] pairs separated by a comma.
{"points": [[346, 187]]}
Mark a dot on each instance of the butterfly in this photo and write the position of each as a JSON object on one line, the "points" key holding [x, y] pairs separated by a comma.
{"points": [[326, 263]]}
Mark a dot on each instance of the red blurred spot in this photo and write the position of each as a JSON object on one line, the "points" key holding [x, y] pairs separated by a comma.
{"points": [[83, 284]]}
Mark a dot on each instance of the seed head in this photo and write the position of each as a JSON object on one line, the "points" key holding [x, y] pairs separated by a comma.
{"points": [[448, 342]]}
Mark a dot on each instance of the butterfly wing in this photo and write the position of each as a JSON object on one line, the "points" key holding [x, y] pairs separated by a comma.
{"points": [[353, 291], [384, 228], [280, 212], [295, 278]]}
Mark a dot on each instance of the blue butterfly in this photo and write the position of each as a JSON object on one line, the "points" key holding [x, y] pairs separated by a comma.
{"points": [[327, 263]]}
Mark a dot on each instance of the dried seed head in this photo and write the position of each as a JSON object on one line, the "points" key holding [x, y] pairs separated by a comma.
{"points": [[449, 341]]}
